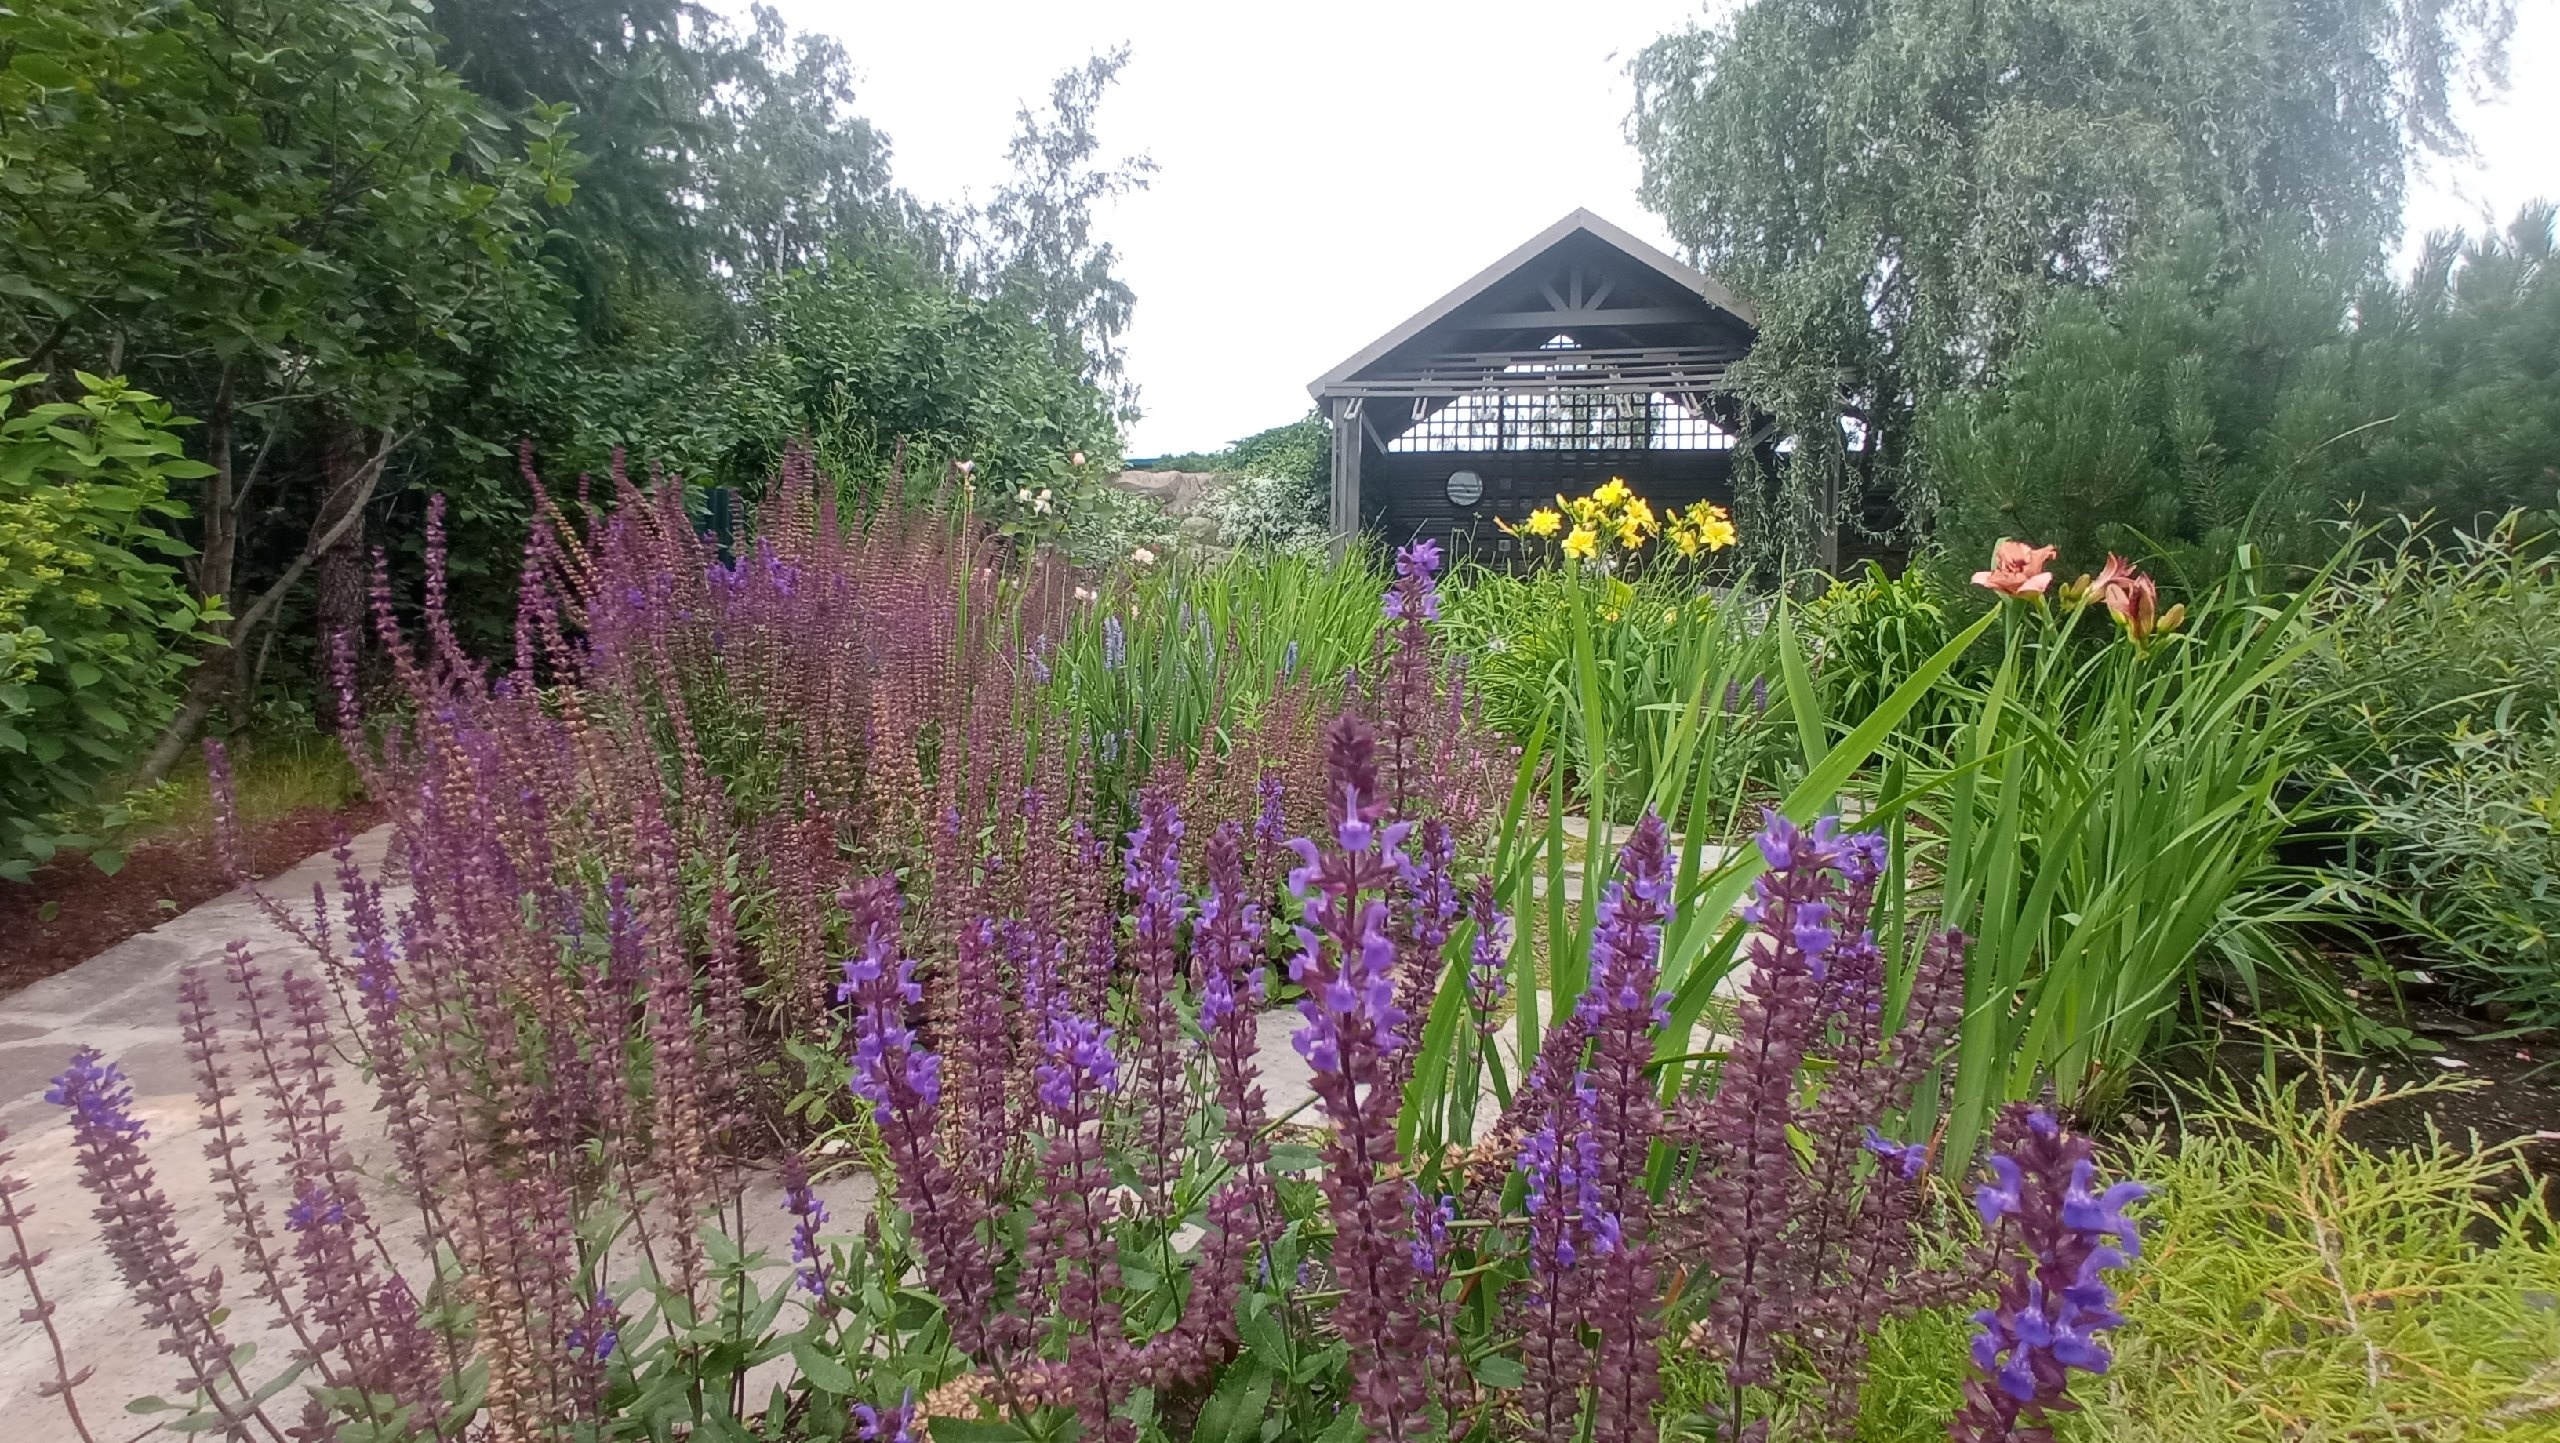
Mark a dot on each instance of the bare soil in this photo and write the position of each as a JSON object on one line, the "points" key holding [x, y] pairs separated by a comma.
{"points": [[70, 911]]}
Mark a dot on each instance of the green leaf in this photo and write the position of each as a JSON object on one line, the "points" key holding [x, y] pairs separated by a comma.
{"points": [[825, 1372], [1234, 1413], [1497, 1371]]}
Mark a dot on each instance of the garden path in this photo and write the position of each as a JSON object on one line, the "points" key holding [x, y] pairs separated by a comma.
{"points": [[124, 1003]]}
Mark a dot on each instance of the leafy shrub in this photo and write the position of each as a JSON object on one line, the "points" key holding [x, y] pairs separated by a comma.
{"points": [[2468, 848], [1873, 633], [1269, 513], [2109, 822], [94, 620], [2206, 400], [2435, 692]]}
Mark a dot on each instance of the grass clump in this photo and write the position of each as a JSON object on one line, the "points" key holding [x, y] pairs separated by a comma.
{"points": [[2297, 1286]]}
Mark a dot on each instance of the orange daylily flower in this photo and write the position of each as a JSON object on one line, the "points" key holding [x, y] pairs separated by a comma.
{"points": [[2134, 599], [2018, 569]]}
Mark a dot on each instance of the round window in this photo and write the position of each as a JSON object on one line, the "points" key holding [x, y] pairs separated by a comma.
{"points": [[1466, 488]]}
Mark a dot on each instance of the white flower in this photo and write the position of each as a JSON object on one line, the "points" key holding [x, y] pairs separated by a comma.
{"points": [[968, 467], [1041, 502], [1023, 495], [1082, 594], [1143, 557], [1075, 458], [1496, 644]]}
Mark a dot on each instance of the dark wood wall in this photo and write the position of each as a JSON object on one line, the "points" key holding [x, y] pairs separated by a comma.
{"points": [[1405, 494]]}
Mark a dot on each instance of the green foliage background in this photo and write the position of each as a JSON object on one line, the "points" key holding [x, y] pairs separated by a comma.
{"points": [[374, 245]]}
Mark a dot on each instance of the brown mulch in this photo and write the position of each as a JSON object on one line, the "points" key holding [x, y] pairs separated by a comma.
{"points": [[70, 911]]}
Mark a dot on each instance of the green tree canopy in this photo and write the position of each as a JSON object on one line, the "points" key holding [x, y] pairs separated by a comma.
{"points": [[1902, 185], [2197, 403]]}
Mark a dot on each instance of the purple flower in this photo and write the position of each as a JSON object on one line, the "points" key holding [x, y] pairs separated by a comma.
{"points": [[99, 1096], [597, 1332], [886, 1425], [2043, 1325], [1078, 1066], [1488, 966], [808, 1215], [885, 1055], [1115, 644], [312, 1208], [1346, 964], [1999, 1198], [2102, 1214], [1414, 598], [136, 1220], [1905, 1158], [1431, 1230]]}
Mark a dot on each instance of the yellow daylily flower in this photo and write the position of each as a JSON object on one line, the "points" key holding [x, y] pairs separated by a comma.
{"points": [[1612, 492], [1582, 543], [1543, 522]]}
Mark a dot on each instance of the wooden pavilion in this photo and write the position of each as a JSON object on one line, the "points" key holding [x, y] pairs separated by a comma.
{"points": [[1584, 354]]}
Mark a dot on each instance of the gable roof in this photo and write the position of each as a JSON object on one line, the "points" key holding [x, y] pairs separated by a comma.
{"points": [[1687, 278]]}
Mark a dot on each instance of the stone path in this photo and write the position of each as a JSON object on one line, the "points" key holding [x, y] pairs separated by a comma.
{"points": [[124, 1003]]}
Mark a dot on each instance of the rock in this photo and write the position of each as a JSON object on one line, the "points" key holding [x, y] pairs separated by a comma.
{"points": [[1182, 494]]}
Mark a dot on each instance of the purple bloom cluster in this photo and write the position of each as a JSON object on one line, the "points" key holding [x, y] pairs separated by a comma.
{"points": [[1152, 876], [1346, 963], [903, 1083], [1415, 594], [1810, 1249], [1488, 963], [1071, 1253], [598, 1330], [1077, 1066], [139, 1225], [2062, 1235], [1591, 1268], [808, 1217], [887, 1063], [886, 1425]]}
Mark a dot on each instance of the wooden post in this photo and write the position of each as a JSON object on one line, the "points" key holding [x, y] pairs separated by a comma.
{"points": [[1346, 471]]}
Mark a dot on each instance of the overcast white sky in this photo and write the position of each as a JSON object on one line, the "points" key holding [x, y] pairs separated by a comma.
{"points": [[1329, 166]]}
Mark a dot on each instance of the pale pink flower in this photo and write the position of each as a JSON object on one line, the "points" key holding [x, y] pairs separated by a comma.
{"points": [[2017, 569]]}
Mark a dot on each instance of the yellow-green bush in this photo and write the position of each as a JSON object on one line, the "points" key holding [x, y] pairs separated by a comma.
{"points": [[92, 619], [2298, 1288]]}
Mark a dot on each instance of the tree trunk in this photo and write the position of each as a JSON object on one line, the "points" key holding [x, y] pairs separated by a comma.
{"points": [[210, 573], [338, 533], [340, 606]]}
